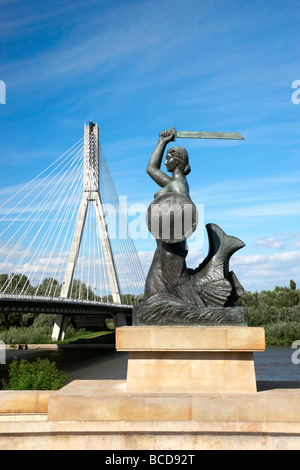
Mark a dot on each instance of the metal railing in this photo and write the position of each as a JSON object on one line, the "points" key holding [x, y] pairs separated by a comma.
{"points": [[35, 298]]}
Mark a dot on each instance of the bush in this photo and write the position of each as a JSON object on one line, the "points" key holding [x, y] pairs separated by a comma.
{"points": [[39, 375], [38, 333], [30, 335], [44, 319]]}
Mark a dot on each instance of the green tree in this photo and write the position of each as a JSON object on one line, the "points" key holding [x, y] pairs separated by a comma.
{"points": [[3, 280], [80, 290], [18, 284], [278, 311], [49, 286], [128, 299]]}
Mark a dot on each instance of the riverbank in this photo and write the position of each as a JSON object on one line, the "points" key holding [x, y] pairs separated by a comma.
{"points": [[83, 362], [59, 346]]}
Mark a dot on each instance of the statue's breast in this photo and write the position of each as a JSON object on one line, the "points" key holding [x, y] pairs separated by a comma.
{"points": [[177, 186]]}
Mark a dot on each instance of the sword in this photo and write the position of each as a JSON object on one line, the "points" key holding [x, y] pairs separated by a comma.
{"points": [[206, 135]]}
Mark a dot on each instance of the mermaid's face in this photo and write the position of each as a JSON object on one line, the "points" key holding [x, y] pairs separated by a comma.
{"points": [[170, 160]]}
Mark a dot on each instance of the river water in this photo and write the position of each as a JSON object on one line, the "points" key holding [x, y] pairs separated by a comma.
{"points": [[279, 363], [276, 366]]}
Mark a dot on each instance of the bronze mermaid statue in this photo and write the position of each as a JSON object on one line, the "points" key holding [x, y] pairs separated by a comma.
{"points": [[175, 294]]}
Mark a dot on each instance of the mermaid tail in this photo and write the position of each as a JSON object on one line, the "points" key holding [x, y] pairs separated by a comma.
{"points": [[215, 284]]}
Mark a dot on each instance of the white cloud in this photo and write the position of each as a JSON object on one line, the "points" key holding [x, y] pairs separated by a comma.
{"points": [[296, 239], [270, 260], [14, 249], [194, 258], [270, 242], [257, 272]]}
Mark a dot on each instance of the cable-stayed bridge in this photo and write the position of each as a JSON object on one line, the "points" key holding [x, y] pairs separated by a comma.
{"points": [[65, 247]]}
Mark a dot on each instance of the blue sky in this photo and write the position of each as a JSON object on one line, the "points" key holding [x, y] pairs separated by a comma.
{"points": [[138, 67]]}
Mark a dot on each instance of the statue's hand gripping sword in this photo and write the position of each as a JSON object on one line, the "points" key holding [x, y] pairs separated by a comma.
{"points": [[206, 135]]}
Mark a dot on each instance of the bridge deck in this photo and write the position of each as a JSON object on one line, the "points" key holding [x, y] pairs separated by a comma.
{"points": [[59, 305]]}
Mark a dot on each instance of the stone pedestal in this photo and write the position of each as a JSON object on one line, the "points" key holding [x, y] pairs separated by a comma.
{"points": [[172, 399], [190, 359]]}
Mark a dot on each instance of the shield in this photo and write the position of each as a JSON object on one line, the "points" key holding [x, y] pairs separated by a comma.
{"points": [[172, 217]]}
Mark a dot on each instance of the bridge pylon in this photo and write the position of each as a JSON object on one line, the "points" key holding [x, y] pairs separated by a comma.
{"points": [[91, 195]]}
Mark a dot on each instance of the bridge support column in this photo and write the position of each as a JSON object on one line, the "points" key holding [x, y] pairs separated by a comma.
{"points": [[59, 327], [61, 321], [119, 320], [91, 194]]}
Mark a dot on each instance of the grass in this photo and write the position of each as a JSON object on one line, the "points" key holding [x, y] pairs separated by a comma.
{"points": [[40, 333], [91, 337]]}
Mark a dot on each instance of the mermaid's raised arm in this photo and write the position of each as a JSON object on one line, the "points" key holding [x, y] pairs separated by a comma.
{"points": [[153, 168]]}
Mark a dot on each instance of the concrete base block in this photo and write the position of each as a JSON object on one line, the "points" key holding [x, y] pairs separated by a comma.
{"points": [[188, 392], [151, 435], [104, 415], [191, 372], [190, 359], [98, 400]]}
